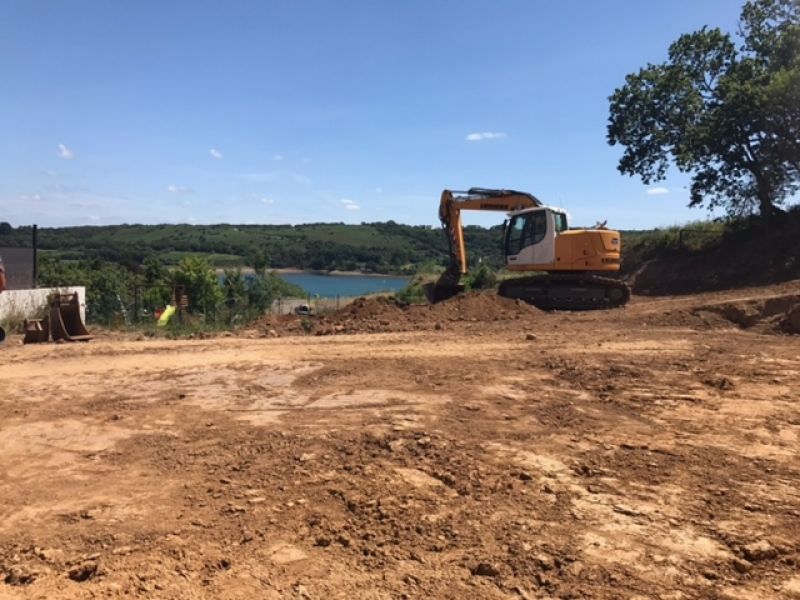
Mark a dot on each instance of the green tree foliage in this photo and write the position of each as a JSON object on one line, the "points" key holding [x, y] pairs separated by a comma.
{"points": [[728, 114], [106, 283], [200, 283], [482, 279], [379, 247], [110, 286], [234, 287], [153, 269], [258, 260]]}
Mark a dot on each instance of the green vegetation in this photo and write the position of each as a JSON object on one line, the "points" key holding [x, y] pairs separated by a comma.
{"points": [[483, 278], [772, 245], [371, 247], [414, 293], [641, 246], [114, 291], [725, 110]]}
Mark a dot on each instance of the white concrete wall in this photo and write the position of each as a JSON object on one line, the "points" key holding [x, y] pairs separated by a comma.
{"points": [[28, 303]]}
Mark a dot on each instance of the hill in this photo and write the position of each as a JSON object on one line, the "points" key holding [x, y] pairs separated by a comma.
{"points": [[708, 256], [374, 247], [695, 257]]}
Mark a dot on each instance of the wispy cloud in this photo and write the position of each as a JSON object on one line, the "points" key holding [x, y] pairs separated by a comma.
{"points": [[378, 190], [657, 191], [31, 197], [215, 153], [266, 200], [179, 189], [350, 204], [485, 135], [65, 152], [300, 179], [260, 177], [278, 157]]}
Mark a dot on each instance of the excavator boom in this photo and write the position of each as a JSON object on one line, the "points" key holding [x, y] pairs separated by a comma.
{"points": [[453, 202]]}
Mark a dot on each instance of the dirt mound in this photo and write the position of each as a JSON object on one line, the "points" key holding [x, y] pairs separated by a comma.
{"points": [[387, 314], [483, 306], [775, 314]]}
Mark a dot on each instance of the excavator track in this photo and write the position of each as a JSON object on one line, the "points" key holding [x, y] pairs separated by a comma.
{"points": [[578, 291]]}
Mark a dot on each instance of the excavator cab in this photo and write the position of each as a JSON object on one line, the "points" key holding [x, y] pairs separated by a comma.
{"points": [[530, 236], [539, 239]]}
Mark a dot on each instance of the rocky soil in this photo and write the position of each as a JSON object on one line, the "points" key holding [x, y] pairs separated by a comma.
{"points": [[479, 448]]}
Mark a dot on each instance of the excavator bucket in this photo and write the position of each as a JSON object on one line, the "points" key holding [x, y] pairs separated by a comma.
{"points": [[65, 319], [37, 331], [438, 292], [447, 286]]}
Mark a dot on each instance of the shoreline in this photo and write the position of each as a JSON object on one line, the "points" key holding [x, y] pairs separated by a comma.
{"points": [[293, 271]]}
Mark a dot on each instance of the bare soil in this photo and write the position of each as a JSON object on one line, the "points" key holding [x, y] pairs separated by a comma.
{"points": [[479, 448]]}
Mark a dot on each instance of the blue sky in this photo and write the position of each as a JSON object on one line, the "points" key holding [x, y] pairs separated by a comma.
{"points": [[292, 111]]}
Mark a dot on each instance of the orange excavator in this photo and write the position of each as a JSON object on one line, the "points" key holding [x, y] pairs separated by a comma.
{"points": [[566, 266]]}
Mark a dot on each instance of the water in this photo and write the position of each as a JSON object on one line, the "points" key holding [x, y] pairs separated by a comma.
{"points": [[330, 286]]}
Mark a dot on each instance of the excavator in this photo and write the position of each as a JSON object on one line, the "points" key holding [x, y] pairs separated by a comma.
{"points": [[565, 265]]}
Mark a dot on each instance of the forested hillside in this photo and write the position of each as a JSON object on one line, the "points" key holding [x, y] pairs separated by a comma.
{"points": [[374, 247]]}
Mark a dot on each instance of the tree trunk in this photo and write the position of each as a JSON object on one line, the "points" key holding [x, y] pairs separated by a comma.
{"points": [[765, 204]]}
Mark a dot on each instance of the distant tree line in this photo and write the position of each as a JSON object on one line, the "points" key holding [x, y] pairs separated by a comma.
{"points": [[372, 247]]}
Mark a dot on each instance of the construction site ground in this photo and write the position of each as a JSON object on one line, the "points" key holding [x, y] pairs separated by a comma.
{"points": [[476, 449]]}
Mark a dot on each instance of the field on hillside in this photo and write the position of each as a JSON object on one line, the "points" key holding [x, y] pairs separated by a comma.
{"points": [[479, 448]]}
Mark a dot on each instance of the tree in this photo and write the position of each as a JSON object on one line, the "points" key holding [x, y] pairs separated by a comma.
{"points": [[257, 259], [200, 282], [154, 270], [728, 115], [234, 287]]}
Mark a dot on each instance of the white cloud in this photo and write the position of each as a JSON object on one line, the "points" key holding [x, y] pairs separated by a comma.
{"points": [[657, 191], [179, 189], [31, 197], [65, 152], [485, 135], [278, 157], [350, 204], [378, 190], [300, 179], [266, 200], [260, 177], [215, 153]]}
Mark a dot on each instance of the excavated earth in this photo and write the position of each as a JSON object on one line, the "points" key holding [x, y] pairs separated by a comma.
{"points": [[478, 448]]}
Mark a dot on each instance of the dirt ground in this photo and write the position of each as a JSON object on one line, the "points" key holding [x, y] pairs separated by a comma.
{"points": [[481, 449]]}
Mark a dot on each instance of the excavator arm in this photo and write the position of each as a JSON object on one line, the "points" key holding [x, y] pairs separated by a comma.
{"points": [[450, 207]]}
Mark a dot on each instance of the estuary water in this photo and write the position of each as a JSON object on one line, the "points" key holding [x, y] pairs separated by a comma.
{"points": [[330, 286]]}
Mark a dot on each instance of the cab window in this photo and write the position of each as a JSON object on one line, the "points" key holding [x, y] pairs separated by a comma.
{"points": [[525, 230], [539, 226], [560, 220], [515, 234]]}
